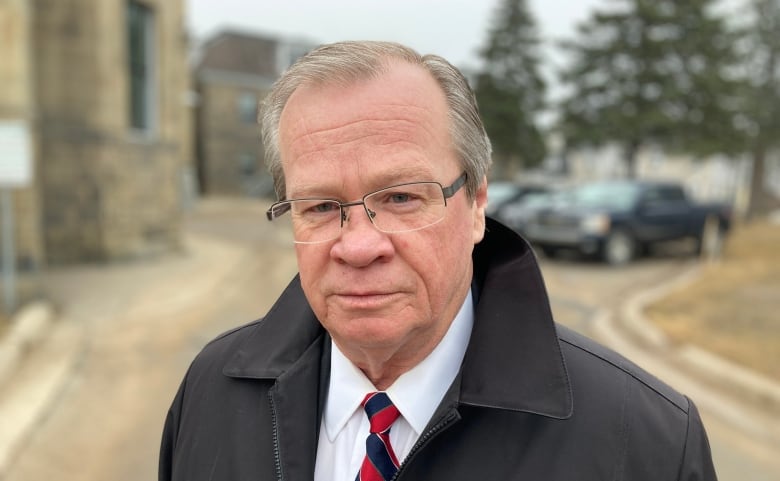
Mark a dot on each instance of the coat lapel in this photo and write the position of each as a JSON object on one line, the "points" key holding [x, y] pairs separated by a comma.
{"points": [[514, 360], [295, 401], [290, 347]]}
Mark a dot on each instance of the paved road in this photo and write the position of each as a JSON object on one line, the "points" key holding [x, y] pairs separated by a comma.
{"points": [[144, 328]]}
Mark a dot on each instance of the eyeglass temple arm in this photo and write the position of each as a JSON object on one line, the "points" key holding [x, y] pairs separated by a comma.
{"points": [[276, 211], [450, 191]]}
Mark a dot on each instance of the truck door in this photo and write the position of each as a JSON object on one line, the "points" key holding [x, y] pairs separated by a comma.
{"points": [[663, 213]]}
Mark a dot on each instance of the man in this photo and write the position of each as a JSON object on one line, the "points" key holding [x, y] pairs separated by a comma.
{"points": [[410, 309]]}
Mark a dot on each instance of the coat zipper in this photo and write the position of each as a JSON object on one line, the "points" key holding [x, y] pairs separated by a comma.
{"points": [[275, 431], [427, 436]]}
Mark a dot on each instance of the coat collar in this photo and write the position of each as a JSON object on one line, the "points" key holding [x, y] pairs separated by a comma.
{"points": [[513, 361]]}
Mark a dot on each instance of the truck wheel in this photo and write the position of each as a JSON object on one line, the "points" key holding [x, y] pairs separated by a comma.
{"points": [[709, 244], [619, 248]]}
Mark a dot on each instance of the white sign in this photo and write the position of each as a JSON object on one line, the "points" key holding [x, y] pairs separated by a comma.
{"points": [[15, 154]]}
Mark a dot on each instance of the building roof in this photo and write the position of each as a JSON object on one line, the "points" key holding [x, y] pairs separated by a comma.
{"points": [[232, 51]]}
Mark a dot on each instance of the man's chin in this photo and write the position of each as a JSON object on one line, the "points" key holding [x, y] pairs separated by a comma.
{"points": [[369, 331]]}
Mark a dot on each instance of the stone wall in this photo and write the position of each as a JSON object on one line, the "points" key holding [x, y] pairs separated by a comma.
{"points": [[108, 191]]}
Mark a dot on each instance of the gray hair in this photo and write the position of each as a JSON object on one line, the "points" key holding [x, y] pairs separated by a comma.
{"points": [[346, 62]]}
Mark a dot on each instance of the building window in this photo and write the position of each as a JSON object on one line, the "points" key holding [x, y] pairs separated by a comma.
{"points": [[140, 41], [247, 107]]}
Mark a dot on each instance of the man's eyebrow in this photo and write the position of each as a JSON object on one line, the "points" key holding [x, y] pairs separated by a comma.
{"points": [[319, 191], [403, 175]]}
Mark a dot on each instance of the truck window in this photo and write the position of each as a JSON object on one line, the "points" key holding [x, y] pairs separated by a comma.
{"points": [[663, 194]]}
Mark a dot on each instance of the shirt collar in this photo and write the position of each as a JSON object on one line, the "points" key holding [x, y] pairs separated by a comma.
{"points": [[348, 384]]}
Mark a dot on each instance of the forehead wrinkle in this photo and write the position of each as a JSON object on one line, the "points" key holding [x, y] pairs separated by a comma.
{"points": [[384, 132], [384, 111], [419, 117]]}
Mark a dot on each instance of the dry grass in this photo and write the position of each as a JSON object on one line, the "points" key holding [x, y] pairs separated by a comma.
{"points": [[733, 310]]}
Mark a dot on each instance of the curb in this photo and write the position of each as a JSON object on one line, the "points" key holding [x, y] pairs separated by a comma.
{"points": [[631, 311], [35, 357], [28, 328], [742, 391], [711, 367]]}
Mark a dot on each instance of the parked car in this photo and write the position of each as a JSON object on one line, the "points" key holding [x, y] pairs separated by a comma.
{"points": [[518, 213], [619, 220], [502, 194]]}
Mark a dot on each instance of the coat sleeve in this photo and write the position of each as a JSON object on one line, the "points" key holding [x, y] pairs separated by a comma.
{"points": [[169, 437], [697, 459]]}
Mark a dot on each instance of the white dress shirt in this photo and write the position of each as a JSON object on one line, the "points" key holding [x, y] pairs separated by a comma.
{"points": [[416, 394]]}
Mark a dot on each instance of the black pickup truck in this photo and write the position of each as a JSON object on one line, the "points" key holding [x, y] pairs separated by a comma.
{"points": [[619, 220]]}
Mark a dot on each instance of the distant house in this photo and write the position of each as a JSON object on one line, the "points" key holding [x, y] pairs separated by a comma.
{"points": [[97, 87], [233, 74]]}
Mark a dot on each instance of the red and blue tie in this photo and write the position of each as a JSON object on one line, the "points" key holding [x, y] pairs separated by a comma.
{"points": [[380, 463]]}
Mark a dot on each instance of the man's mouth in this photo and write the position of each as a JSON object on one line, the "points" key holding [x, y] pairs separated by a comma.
{"points": [[365, 299]]}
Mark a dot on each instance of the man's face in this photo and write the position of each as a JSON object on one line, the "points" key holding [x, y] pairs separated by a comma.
{"points": [[378, 294]]}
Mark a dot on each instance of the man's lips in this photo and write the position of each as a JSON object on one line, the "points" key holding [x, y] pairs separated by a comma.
{"points": [[358, 293], [365, 299]]}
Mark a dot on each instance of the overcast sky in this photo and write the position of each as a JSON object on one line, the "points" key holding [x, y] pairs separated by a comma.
{"points": [[453, 29]]}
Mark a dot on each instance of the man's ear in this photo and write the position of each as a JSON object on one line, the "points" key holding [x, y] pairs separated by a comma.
{"points": [[480, 203]]}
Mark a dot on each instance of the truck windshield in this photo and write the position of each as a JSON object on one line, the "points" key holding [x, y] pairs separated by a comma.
{"points": [[619, 196]]}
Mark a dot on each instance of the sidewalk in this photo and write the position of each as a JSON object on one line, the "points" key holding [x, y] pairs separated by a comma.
{"points": [[47, 340]]}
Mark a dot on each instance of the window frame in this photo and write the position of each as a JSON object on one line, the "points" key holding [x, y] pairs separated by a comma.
{"points": [[141, 74]]}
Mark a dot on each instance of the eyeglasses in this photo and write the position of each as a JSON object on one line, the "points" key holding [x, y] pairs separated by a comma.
{"points": [[400, 208]]}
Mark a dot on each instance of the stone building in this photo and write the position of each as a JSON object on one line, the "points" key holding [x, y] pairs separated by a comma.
{"points": [[234, 73], [101, 88]]}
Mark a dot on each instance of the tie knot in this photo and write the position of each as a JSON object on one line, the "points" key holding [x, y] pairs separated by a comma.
{"points": [[380, 411]]}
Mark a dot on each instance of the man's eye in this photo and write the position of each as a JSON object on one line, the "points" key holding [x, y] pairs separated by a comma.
{"points": [[323, 207], [399, 197]]}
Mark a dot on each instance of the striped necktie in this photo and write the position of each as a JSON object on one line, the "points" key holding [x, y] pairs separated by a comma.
{"points": [[380, 463]]}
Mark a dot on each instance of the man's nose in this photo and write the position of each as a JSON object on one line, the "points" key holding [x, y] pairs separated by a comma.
{"points": [[361, 243]]}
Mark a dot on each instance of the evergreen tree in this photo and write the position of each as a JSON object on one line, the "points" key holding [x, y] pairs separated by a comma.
{"points": [[760, 117], [652, 71], [510, 89]]}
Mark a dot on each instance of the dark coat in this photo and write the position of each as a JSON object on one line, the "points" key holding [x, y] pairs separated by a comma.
{"points": [[533, 401]]}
